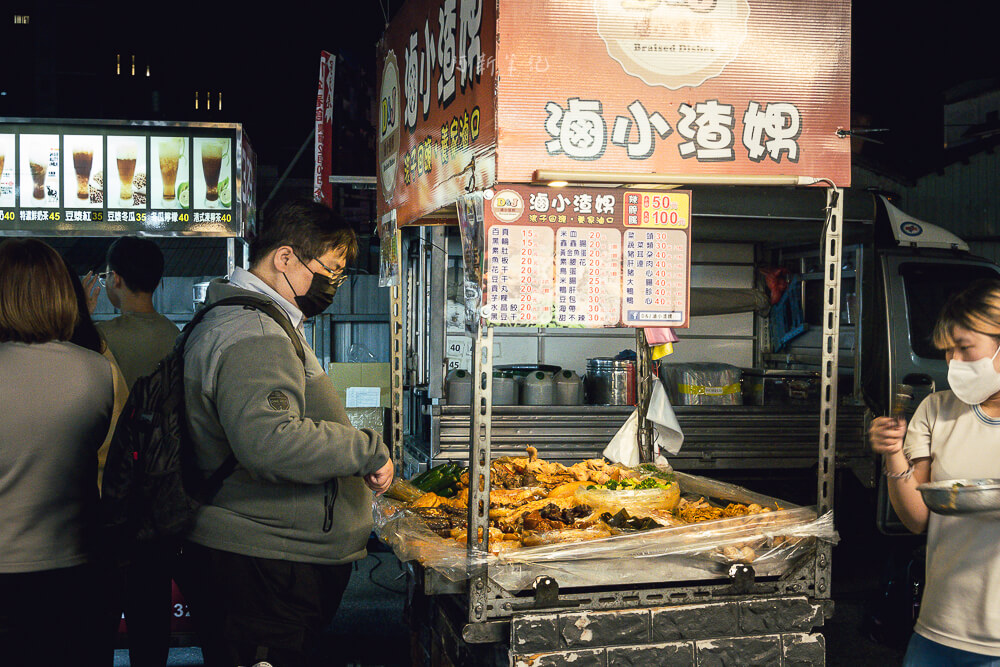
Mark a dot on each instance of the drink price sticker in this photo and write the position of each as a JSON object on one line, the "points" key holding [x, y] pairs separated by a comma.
{"points": [[666, 211]]}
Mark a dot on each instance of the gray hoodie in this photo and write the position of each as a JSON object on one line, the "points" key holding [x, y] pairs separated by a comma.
{"points": [[297, 493]]}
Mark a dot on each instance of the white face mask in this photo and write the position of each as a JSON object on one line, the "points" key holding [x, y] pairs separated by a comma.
{"points": [[973, 381]]}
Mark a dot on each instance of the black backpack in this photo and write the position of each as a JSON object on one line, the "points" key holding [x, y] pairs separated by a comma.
{"points": [[152, 487]]}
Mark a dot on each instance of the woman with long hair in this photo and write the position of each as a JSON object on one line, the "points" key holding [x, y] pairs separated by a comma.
{"points": [[57, 401]]}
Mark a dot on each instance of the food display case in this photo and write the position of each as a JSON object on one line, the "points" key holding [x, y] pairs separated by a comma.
{"points": [[592, 137]]}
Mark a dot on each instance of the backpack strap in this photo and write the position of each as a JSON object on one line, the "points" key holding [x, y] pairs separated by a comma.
{"points": [[214, 482], [263, 304]]}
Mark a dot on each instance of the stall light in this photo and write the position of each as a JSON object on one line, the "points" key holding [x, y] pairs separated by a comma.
{"points": [[208, 100], [220, 101], [558, 184], [147, 70], [133, 65], [196, 99], [560, 178], [118, 64]]}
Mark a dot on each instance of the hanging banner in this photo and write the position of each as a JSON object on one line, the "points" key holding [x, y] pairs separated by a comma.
{"points": [[436, 130], [586, 257], [323, 152]]}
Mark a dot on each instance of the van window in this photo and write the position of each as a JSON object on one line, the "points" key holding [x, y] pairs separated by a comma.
{"points": [[928, 286]]}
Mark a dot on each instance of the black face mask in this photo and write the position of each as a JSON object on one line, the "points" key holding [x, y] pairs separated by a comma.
{"points": [[319, 296]]}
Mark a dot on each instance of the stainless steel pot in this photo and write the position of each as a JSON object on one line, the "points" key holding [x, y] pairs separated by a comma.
{"points": [[610, 381]]}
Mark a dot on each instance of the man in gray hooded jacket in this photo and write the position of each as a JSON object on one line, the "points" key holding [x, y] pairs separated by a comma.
{"points": [[268, 560]]}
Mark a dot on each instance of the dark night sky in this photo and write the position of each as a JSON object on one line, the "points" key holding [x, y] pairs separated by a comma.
{"points": [[904, 55]]}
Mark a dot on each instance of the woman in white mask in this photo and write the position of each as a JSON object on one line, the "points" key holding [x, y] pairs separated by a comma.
{"points": [[954, 434]]}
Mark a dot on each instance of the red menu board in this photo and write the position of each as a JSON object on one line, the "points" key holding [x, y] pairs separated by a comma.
{"points": [[586, 257]]}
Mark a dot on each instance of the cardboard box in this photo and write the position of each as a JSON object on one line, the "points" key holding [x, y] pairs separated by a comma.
{"points": [[349, 375]]}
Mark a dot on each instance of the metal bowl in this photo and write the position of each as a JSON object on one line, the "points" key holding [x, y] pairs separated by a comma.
{"points": [[980, 497]]}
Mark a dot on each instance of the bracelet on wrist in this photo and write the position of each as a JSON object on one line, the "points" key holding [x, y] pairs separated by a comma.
{"points": [[906, 474]]}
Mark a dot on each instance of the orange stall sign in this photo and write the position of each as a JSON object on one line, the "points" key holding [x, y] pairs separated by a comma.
{"points": [[752, 88], [476, 92], [436, 125]]}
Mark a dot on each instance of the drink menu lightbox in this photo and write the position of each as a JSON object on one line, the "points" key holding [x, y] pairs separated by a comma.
{"points": [[88, 178], [586, 257]]}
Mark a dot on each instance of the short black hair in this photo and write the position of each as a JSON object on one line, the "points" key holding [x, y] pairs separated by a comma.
{"points": [[138, 261], [309, 227]]}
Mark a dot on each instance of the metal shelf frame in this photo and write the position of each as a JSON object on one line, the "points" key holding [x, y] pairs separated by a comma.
{"points": [[486, 602]]}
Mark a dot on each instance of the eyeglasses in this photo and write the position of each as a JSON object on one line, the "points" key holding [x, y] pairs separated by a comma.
{"points": [[336, 276]]}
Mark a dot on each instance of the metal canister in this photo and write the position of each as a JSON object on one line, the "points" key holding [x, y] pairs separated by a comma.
{"points": [[568, 388], [610, 381]]}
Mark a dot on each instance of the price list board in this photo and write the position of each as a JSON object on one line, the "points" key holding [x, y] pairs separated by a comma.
{"points": [[520, 288], [586, 257], [111, 178]]}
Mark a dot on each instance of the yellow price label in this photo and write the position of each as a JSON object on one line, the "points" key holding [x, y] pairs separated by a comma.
{"points": [[660, 210]]}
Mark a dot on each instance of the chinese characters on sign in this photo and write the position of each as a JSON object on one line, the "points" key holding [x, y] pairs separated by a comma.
{"points": [[436, 105], [705, 132], [588, 258], [520, 259], [433, 58], [87, 178]]}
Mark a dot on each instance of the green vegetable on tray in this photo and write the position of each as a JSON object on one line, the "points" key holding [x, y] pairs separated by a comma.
{"points": [[440, 480]]}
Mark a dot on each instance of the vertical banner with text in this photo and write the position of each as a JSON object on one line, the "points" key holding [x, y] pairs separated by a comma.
{"points": [[322, 190]]}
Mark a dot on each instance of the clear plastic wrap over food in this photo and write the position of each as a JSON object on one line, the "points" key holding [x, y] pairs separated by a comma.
{"points": [[638, 502], [771, 541]]}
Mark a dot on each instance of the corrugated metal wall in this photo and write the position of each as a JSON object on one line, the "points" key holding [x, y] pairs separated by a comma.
{"points": [[960, 198]]}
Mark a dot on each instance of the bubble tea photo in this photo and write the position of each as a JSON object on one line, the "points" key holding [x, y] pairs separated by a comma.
{"points": [[126, 156], [169, 153], [85, 154], [39, 170], [214, 157], [127, 159], [6, 170]]}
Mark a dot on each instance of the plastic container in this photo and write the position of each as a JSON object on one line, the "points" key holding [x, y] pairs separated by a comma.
{"points": [[504, 388], [537, 389], [459, 387], [568, 388]]}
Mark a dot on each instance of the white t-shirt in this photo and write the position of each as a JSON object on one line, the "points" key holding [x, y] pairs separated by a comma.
{"points": [[961, 601]]}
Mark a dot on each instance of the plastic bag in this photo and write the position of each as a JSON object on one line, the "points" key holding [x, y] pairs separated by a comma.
{"points": [[777, 539]]}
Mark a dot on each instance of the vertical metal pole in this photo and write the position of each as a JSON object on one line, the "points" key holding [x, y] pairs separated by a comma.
{"points": [[832, 250], [398, 366], [438, 269], [644, 390], [479, 472], [230, 255], [422, 316]]}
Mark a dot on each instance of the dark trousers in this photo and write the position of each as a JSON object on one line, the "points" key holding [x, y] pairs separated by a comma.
{"points": [[51, 618], [249, 610], [148, 608], [142, 591]]}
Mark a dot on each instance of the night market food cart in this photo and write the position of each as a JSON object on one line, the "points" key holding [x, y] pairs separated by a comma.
{"points": [[534, 125]]}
